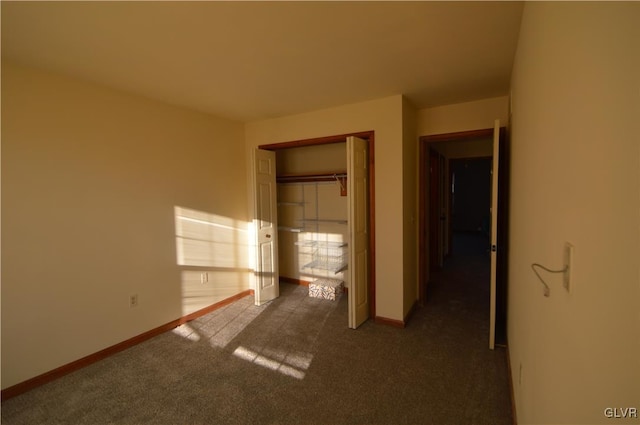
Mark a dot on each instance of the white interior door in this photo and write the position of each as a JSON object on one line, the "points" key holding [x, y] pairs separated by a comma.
{"points": [[266, 223], [494, 232], [358, 187]]}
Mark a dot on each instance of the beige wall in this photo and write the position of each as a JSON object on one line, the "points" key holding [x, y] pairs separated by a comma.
{"points": [[91, 179], [466, 116], [410, 208], [481, 148], [312, 159], [575, 177], [384, 116]]}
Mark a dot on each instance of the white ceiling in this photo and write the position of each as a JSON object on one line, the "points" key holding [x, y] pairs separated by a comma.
{"points": [[256, 60]]}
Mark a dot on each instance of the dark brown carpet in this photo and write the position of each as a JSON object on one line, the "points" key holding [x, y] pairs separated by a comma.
{"points": [[294, 361]]}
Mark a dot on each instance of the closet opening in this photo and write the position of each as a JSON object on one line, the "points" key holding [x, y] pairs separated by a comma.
{"points": [[325, 218]]}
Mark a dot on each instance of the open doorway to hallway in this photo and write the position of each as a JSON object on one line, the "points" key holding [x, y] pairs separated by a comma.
{"points": [[455, 225]]}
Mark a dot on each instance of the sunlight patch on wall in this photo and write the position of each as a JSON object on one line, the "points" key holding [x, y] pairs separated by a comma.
{"points": [[210, 240], [199, 292], [214, 253]]}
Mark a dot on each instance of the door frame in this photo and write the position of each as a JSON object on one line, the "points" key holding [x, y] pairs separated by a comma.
{"points": [[503, 216], [435, 208], [369, 136]]}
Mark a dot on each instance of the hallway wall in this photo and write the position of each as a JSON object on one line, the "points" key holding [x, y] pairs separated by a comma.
{"points": [[476, 115], [575, 177]]}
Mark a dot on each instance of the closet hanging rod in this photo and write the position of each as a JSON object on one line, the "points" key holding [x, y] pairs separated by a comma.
{"points": [[311, 177]]}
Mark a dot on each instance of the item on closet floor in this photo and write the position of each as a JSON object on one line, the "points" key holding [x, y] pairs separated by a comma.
{"points": [[328, 289]]}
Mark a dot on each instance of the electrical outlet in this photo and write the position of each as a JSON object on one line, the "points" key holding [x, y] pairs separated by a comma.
{"points": [[133, 300], [568, 267]]}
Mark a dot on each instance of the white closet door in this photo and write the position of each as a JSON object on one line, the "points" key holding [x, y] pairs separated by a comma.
{"points": [[357, 176], [267, 286]]}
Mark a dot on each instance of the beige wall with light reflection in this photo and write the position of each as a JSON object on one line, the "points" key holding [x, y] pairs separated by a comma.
{"points": [[91, 178]]}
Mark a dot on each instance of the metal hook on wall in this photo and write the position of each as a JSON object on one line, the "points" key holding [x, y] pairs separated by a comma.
{"points": [[547, 291]]}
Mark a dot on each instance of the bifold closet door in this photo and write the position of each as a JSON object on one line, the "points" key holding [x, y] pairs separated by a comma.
{"points": [[267, 286], [357, 177]]}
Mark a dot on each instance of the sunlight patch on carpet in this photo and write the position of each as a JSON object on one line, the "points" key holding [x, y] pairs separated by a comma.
{"points": [[186, 332], [273, 364]]}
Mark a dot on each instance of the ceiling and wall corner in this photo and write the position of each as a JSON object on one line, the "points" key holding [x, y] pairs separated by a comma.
{"points": [[255, 60], [465, 116]]}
